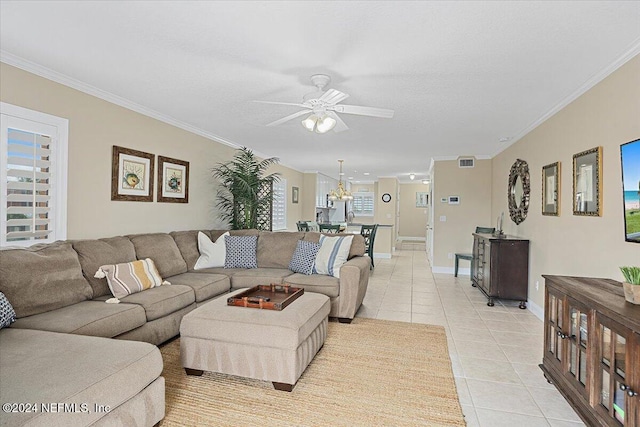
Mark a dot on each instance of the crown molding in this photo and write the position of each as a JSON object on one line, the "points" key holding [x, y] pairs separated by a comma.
{"points": [[627, 55], [49, 74]]}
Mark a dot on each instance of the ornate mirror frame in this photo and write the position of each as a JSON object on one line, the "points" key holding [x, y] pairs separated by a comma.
{"points": [[551, 189], [518, 208], [587, 182]]}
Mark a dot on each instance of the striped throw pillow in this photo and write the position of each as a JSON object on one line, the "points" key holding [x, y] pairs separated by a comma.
{"points": [[130, 277], [333, 252]]}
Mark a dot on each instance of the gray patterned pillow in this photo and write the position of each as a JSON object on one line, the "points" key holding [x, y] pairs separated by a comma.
{"points": [[304, 257], [7, 314], [241, 251]]}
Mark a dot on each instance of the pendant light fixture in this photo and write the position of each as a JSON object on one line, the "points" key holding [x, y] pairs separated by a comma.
{"points": [[340, 193]]}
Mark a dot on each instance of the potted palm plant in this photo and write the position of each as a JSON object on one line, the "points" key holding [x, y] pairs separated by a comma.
{"points": [[631, 284], [245, 195]]}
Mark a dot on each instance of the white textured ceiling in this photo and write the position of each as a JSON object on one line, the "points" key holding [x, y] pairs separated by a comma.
{"points": [[459, 75]]}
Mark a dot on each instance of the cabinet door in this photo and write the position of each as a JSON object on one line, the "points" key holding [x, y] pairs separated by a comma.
{"points": [[555, 329], [485, 264], [577, 346], [613, 381]]}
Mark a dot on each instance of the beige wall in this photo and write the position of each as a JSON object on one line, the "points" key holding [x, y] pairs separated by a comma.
{"points": [[607, 115], [95, 126], [473, 186], [412, 221]]}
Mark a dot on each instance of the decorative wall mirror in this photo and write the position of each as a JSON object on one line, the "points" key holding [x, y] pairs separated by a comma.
{"points": [[518, 192], [587, 182], [551, 189]]}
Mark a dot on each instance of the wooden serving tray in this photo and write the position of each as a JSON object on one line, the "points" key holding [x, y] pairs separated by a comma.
{"points": [[268, 297]]}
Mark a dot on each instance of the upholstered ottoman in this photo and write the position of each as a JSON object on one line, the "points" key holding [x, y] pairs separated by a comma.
{"points": [[267, 345]]}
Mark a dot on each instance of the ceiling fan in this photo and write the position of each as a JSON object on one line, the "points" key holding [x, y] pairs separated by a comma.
{"points": [[323, 105]]}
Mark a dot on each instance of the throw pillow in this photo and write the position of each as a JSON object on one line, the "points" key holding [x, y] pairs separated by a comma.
{"points": [[241, 251], [333, 252], [130, 277], [304, 257], [211, 254], [7, 314]]}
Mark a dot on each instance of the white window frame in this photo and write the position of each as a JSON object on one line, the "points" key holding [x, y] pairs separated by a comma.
{"points": [[279, 198], [362, 195], [15, 117]]}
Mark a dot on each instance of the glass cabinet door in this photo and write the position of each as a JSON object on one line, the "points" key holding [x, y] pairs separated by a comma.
{"points": [[555, 329], [612, 376], [577, 340]]}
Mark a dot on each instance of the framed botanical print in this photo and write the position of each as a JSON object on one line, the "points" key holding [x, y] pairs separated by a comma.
{"points": [[295, 194], [131, 175], [173, 180], [551, 189]]}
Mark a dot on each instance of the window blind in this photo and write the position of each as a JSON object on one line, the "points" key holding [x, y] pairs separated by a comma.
{"points": [[28, 186], [279, 214], [363, 204]]}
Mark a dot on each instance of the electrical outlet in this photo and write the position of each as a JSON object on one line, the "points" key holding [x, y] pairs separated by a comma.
{"points": [[537, 285], [443, 218]]}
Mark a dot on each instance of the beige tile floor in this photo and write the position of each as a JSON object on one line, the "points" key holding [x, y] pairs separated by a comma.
{"points": [[495, 351]]}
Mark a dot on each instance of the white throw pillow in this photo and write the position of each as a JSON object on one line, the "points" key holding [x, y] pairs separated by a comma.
{"points": [[333, 252], [211, 254]]}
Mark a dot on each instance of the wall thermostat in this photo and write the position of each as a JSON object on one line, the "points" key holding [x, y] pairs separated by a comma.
{"points": [[454, 200]]}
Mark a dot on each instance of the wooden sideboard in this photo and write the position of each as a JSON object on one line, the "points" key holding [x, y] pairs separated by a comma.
{"points": [[592, 348], [500, 267]]}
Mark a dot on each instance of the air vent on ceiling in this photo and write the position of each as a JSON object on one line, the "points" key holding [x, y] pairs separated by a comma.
{"points": [[467, 162]]}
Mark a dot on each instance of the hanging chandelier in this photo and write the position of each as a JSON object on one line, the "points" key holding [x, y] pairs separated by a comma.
{"points": [[340, 193]]}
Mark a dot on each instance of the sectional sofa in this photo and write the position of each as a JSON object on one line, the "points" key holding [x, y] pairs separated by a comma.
{"points": [[58, 350]]}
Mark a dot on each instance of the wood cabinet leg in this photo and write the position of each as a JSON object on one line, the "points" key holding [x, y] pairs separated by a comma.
{"points": [[344, 320], [523, 305], [194, 372], [283, 386], [490, 303]]}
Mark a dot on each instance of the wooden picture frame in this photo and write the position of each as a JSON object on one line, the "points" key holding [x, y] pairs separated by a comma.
{"points": [[551, 189], [587, 182], [295, 194], [131, 175], [173, 180]]}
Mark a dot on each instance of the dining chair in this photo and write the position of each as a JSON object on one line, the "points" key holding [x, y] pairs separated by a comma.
{"points": [[467, 256], [302, 226], [369, 234], [328, 228]]}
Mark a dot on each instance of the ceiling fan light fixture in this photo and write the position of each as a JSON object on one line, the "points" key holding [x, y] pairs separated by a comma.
{"points": [[325, 124], [310, 122]]}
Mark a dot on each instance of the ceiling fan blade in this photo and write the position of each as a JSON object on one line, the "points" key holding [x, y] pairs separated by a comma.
{"points": [[282, 103], [289, 117], [363, 111], [333, 96], [340, 125]]}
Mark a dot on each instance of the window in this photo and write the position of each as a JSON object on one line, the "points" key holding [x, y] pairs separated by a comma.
{"points": [[33, 177], [362, 204], [279, 214]]}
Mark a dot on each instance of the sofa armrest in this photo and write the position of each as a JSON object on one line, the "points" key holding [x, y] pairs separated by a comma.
{"points": [[354, 279]]}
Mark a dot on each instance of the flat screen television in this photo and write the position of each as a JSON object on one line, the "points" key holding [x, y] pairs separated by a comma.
{"points": [[630, 158]]}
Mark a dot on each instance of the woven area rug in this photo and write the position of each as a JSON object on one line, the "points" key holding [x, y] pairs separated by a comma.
{"points": [[369, 373]]}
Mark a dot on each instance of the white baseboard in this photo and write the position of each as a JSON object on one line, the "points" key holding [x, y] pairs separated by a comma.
{"points": [[535, 309], [414, 239], [378, 255], [450, 270]]}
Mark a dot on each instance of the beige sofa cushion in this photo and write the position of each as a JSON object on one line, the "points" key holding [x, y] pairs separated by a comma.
{"points": [[160, 301], [357, 245], [187, 242], [275, 249], [95, 253], [327, 285], [87, 318], [204, 285], [162, 249], [27, 281], [39, 366], [259, 276]]}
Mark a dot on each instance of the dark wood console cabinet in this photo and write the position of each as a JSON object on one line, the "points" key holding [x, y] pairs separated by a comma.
{"points": [[500, 267], [592, 349]]}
